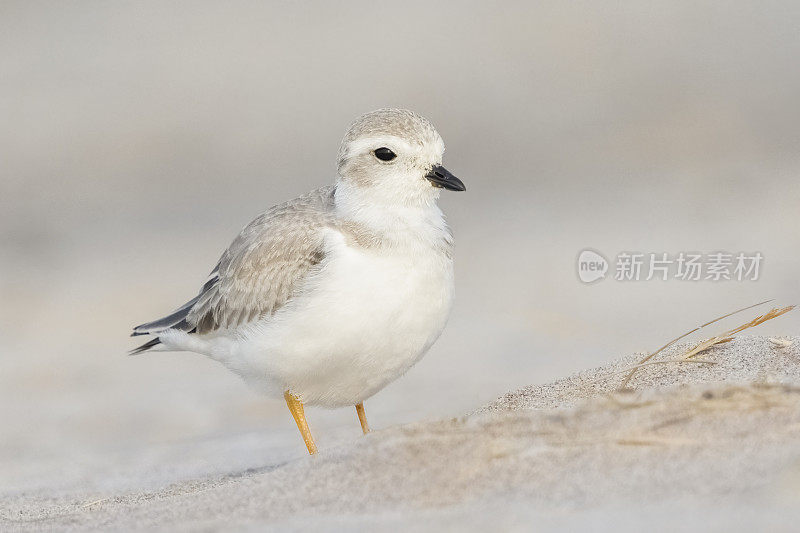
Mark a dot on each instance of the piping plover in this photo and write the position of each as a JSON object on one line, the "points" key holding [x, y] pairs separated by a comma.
{"points": [[329, 297]]}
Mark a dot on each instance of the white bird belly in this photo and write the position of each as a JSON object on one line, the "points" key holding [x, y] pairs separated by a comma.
{"points": [[359, 324]]}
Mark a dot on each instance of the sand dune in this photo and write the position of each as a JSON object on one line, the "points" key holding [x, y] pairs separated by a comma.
{"points": [[695, 446]]}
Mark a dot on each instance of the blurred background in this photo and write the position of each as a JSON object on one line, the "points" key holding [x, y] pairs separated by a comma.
{"points": [[137, 138]]}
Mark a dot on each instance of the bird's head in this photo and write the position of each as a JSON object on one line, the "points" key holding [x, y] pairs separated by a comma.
{"points": [[395, 155]]}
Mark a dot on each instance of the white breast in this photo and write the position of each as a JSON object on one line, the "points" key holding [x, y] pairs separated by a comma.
{"points": [[365, 319]]}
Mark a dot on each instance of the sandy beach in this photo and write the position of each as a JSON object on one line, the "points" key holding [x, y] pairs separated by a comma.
{"points": [[699, 446]]}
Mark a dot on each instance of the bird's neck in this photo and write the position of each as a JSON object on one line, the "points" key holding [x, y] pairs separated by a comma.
{"points": [[388, 221]]}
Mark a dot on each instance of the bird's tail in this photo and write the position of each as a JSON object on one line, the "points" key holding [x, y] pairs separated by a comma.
{"points": [[145, 347], [176, 320]]}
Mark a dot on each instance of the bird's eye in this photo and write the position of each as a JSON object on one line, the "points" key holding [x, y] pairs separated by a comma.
{"points": [[384, 154]]}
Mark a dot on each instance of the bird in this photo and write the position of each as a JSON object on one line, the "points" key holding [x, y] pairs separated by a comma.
{"points": [[327, 298]]}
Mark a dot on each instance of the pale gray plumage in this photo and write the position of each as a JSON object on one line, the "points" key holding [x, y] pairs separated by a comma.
{"points": [[260, 270], [400, 122]]}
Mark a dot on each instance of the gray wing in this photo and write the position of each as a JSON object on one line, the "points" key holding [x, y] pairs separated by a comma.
{"points": [[261, 269]]}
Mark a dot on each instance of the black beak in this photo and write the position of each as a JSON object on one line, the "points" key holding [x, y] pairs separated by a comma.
{"points": [[441, 177]]}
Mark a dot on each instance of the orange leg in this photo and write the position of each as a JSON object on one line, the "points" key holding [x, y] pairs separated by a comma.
{"points": [[296, 408], [362, 417]]}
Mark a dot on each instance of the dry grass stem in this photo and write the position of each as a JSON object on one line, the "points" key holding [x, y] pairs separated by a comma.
{"points": [[101, 500], [651, 363], [728, 335], [708, 343]]}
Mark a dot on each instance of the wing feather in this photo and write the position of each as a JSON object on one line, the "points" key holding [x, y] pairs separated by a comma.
{"points": [[265, 264]]}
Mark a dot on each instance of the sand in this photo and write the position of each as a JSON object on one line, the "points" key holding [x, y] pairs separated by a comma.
{"points": [[695, 446]]}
